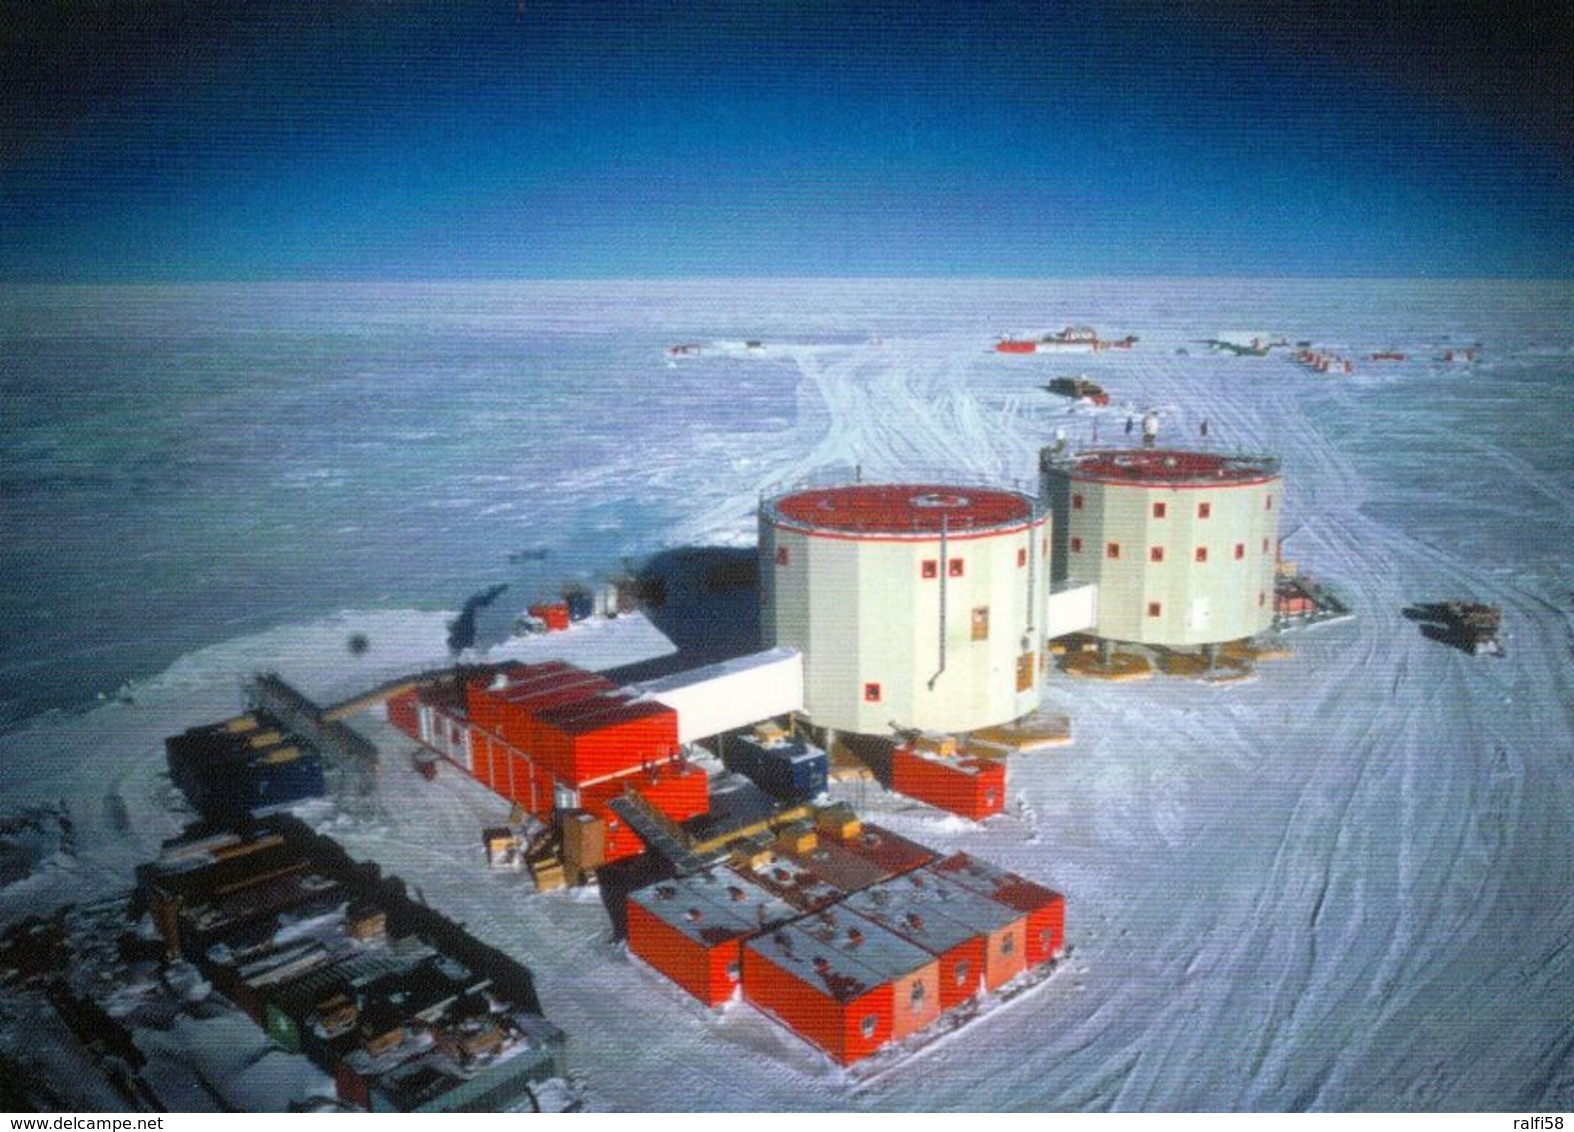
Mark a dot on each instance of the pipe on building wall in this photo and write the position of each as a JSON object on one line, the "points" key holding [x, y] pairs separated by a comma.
{"points": [[943, 569], [1032, 577]]}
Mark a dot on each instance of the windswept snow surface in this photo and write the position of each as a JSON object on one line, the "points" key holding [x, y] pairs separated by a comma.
{"points": [[1342, 885]]}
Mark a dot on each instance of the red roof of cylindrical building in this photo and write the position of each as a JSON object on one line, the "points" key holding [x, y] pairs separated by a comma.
{"points": [[1167, 467], [903, 510]]}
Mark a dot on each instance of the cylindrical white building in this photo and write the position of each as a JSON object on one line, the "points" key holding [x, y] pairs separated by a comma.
{"points": [[1181, 545], [914, 606]]}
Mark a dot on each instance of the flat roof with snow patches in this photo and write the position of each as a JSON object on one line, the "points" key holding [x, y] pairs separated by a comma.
{"points": [[691, 905], [797, 885], [1168, 467], [861, 940], [730, 894], [898, 510], [926, 892]]}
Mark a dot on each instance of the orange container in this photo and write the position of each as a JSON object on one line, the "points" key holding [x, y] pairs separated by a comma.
{"points": [[936, 913], [619, 841], [817, 994], [692, 929], [555, 614], [602, 737], [702, 955], [1044, 908], [679, 790], [971, 788], [510, 712]]}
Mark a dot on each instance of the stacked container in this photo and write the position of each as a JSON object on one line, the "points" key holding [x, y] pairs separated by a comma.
{"points": [[602, 736], [551, 735], [243, 767]]}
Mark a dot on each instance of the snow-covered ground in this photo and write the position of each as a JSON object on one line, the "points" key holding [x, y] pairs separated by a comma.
{"points": [[1341, 885]]}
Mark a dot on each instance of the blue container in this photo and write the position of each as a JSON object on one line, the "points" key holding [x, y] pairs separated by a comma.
{"points": [[579, 605], [226, 779], [277, 784], [788, 771]]}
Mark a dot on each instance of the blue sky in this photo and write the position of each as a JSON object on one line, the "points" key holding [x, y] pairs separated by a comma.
{"points": [[170, 141]]}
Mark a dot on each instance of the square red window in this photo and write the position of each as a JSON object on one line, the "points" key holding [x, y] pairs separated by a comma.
{"points": [[872, 693], [1076, 502], [930, 568], [781, 556], [1268, 503], [1160, 510], [1156, 554], [1022, 556], [954, 567], [1112, 550], [1240, 550], [1202, 554], [1155, 609], [1076, 546], [1204, 510]]}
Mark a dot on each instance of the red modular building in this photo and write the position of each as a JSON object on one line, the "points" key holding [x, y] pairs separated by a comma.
{"points": [[404, 712], [536, 732], [971, 788], [600, 737], [842, 982], [692, 929], [511, 711], [1045, 909], [679, 790], [979, 942]]}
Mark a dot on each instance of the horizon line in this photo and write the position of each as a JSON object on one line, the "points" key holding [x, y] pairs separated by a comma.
{"points": [[497, 280]]}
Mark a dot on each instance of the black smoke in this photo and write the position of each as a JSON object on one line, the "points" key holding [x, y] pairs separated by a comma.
{"points": [[461, 630]]}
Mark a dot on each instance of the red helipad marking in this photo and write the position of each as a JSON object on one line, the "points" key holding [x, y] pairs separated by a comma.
{"points": [[904, 508], [1171, 466]]}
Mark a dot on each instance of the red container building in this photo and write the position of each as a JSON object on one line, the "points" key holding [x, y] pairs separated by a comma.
{"points": [[511, 711], [601, 736], [692, 929], [971, 788], [1045, 909], [554, 614], [678, 790], [842, 982], [404, 712], [981, 944]]}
